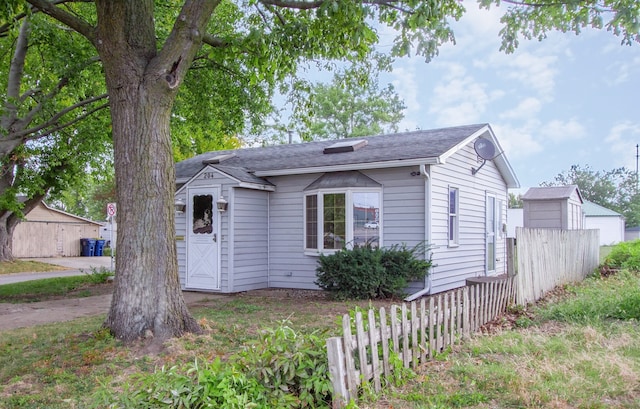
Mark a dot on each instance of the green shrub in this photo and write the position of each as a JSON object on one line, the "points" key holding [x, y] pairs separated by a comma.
{"points": [[365, 272], [282, 369], [624, 255], [292, 367], [98, 275]]}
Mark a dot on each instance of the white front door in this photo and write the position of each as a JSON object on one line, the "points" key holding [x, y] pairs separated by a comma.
{"points": [[491, 223], [202, 240]]}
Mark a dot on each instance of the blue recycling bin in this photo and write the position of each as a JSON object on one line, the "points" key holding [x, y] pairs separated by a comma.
{"points": [[88, 247], [99, 247]]}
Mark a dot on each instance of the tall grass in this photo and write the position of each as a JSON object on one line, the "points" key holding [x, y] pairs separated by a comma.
{"points": [[599, 299]]}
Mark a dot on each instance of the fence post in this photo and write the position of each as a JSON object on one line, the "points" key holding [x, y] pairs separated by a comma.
{"points": [[337, 374], [511, 250]]}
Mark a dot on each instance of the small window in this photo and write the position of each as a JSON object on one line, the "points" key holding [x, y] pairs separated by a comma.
{"points": [[311, 215], [453, 216]]}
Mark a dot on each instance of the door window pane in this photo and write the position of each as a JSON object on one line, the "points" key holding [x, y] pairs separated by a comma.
{"points": [[202, 214]]}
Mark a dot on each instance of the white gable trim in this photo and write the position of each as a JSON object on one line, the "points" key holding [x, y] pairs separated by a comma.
{"points": [[208, 168]]}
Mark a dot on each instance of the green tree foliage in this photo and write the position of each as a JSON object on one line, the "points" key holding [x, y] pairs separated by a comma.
{"points": [[53, 125], [351, 105], [615, 189], [515, 202], [535, 18]]}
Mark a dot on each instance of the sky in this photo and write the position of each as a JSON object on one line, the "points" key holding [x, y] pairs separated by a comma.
{"points": [[568, 100]]}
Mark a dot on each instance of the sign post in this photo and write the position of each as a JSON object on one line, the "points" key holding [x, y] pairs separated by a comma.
{"points": [[112, 209]]}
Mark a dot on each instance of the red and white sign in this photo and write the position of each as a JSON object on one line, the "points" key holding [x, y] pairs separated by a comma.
{"points": [[111, 209]]}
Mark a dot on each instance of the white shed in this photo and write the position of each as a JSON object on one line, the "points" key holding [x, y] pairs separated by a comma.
{"points": [[610, 223], [553, 207]]}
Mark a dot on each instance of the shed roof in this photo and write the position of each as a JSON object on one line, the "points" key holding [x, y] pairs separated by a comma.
{"points": [[591, 209], [391, 150], [551, 193]]}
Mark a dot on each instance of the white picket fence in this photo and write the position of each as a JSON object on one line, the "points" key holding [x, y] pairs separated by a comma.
{"points": [[547, 258], [414, 333]]}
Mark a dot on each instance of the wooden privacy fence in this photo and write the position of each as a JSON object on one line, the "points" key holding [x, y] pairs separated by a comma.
{"points": [[413, 334], [547, 258]]}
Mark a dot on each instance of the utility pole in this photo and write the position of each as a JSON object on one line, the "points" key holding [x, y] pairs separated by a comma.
{"points": [[637, 156]]}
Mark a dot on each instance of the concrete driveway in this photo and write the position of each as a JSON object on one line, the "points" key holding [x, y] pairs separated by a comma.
{"points": [[75, 266]]}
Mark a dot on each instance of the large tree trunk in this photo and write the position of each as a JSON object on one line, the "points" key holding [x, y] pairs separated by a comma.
{"points": [[147, 299], [6, 241], [142, 85]]}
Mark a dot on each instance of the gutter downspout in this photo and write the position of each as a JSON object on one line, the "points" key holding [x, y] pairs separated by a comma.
{"points": [[427, 231]]}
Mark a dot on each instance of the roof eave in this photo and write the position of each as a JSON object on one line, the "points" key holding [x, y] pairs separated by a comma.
{"points": [[349, 166]]}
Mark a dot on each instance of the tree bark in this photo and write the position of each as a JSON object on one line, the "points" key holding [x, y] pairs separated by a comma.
{"points": [[147, 299], [142, 84]]}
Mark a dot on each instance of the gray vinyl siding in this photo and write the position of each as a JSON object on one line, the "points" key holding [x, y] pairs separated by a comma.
{"points": [[453, 265], [402, 222], [289, 266], [181, 247], [250, 251]]}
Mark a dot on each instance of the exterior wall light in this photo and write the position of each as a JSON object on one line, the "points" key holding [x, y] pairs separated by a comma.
{"points": [[222, 204], [180, 205]]}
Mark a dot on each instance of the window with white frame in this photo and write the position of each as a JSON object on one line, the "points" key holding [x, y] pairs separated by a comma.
{"points": [[453, 225], [337, 219]]}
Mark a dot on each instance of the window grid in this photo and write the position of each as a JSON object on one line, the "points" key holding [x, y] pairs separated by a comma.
{"points": [[334, 220]]}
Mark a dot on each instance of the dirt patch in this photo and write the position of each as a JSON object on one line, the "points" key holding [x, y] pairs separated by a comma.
{"points": [[65, 308]]}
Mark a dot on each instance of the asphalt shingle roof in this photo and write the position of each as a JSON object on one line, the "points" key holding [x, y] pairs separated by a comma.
{"points": [[420, 144], [549, 192]]}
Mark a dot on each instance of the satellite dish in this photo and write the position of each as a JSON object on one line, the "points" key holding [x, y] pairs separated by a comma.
{"points": [[485, 148]]}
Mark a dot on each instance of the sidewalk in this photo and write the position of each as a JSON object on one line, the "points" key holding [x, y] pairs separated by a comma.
{"points": [[75, 266]]}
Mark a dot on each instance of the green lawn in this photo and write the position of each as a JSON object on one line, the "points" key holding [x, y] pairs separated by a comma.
{"points": [[22, 266], [556, 355]]}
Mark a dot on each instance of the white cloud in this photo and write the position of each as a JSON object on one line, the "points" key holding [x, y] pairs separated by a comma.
{"points": [[526, 109], [559, 131], [533, 71], [519, 141], [622, 140], [621, 72], [406, 85], [459, 98]]}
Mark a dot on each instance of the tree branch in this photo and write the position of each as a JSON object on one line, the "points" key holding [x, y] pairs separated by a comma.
{"points": [[16, 70], [552, 4], [54, 119], [73, 121], [183, 42], [64, 80], [79, 25], [215, 42], [308, 5]]}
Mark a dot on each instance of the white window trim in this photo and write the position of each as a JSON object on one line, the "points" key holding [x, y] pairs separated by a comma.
{"points": [[348, 192], [456, 228]]}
